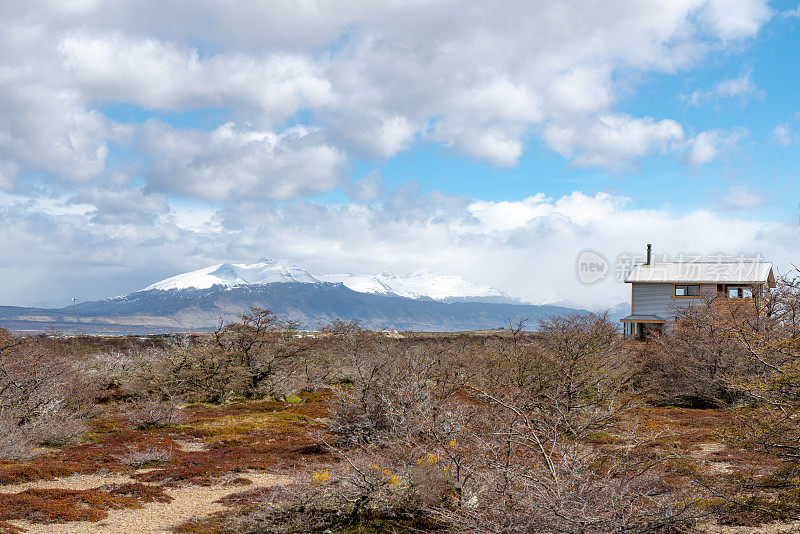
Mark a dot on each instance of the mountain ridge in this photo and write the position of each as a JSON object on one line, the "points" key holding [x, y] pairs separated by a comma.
{"points": [[200, 300], [420, 284]]}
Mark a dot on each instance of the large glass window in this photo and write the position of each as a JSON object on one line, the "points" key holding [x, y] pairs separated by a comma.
{"points": [[739, 292], [687, 290]]}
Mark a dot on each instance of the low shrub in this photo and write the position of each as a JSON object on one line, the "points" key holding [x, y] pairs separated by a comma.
{"points": [[154, 411], [354, 496], [139, 458], [44, 395]]}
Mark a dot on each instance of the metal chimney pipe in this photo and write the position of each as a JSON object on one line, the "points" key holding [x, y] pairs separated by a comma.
{"points": [[649, 246]]}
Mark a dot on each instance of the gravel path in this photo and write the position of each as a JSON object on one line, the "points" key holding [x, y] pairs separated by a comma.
{"points": [[188, 501]]}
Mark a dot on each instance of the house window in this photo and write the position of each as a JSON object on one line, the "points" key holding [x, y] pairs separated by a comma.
{"points": [[739, 292], [687, 290]]}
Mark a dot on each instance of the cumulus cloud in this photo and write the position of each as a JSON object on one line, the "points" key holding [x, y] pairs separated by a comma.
{"points": [[42, 131], [368, 188], [612, 141], [733, 19], [231, 162], [122, 205], [301, 89], [370, 79], [164, 76]]}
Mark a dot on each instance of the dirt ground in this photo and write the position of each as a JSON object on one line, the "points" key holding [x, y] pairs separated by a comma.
{"points": [[187, 502]]}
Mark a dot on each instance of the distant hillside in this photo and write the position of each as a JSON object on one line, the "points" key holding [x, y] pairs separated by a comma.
{"points": [[311, 304]]}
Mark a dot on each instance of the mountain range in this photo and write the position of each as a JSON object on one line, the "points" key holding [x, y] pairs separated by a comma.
{"points": [[200, 299], [421, 284]]}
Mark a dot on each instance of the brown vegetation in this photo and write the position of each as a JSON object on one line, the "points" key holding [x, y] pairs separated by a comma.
{"points": [[569, 429], [63, 505]]}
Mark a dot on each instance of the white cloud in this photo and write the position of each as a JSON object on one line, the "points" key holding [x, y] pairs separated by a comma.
{"points": [[42, 131], [233, 162], [368, 188], [526, 247], [792, 13], [369, 78], [784, 135], [733, 19], [164, 76], [741, 87], [740, 197], [706, 146], [612, 141]]}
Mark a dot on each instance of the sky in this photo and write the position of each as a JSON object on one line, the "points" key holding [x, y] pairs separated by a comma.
{"points": [[492, 140]]}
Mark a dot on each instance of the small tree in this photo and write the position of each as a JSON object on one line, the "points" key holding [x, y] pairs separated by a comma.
{"points": [[264, 349]]}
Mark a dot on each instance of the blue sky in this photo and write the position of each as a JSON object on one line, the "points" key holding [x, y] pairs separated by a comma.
{"points": [[145, 139]]}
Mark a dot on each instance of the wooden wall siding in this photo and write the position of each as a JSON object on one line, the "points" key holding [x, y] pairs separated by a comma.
{"points": [[656, 299]]}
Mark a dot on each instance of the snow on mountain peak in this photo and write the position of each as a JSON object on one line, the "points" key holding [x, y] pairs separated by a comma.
{"points": [[263, 271], [421, 284], [414, 285]]}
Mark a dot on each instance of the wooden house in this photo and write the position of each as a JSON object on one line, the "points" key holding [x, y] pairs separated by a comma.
{"points": [[658, 290]]}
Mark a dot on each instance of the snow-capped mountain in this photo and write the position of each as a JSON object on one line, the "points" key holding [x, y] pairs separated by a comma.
{"points": [[417, 285], [264, 271], [422, 284], [200, 300]]}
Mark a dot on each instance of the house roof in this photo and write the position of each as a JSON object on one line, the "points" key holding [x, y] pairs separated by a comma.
{"points": [[642, 319], [706, 272]]}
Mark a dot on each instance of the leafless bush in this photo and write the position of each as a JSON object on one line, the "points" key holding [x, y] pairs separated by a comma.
{"points": [[505, 441], [197, 372], [44, 396], [532, 474], [15, 443], [364, 492], [154, 411], [693, 362], [256, 357], [139, 458], [394, 389], [265, 351], [57, 426]]}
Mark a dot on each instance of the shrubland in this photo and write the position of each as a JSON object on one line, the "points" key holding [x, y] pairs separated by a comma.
{"points": [[568, 428]]}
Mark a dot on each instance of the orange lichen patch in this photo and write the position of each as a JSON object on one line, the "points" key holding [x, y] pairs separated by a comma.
{"points": [[8, 528], [101, 455], [17, 472], [63, 505], [274, 453], [687, 425], [108, 424], [246, 435]]}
